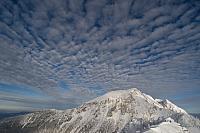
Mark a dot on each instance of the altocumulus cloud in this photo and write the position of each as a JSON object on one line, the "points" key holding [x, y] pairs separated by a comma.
{"points": [[74, 50]]}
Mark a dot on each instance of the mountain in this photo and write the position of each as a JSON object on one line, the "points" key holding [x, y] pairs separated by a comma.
{"points": [[197, 115], [4, 115], [121, 111]]}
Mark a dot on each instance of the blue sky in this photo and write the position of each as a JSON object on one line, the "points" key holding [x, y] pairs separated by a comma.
{"points": [[61, 53]]}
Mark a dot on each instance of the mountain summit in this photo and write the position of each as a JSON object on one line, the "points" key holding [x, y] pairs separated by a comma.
{"points": [[121, 111]]}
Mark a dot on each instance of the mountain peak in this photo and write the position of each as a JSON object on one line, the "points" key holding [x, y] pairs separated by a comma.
{"points": [[116, 111], [116, 94]]}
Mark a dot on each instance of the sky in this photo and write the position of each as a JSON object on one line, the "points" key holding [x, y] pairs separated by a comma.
{"points": [[62, 53]]}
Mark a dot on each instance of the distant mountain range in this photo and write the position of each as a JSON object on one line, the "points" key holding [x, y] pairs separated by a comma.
{"points": [[122, 111], [4, 115]]}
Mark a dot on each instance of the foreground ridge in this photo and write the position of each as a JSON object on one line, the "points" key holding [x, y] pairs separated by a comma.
{"points": [[125, 111]]}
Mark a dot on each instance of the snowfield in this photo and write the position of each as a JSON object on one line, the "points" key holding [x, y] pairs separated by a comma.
{"points": [[122, 111], [168, 127]]}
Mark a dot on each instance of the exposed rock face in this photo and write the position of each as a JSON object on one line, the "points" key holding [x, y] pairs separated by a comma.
{"points": [[117, 111]]}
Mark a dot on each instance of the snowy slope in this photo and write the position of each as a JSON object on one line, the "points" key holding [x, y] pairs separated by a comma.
{"points": [[169, 105], [168, 127], [117, 111]]}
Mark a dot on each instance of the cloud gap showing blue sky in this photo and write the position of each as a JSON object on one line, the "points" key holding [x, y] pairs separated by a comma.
{"points": [[61, 53]]}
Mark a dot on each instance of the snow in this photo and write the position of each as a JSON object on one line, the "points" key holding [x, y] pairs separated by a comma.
{"points": [[171, 106], [116, 94], [169, 120], [113, 112], [194, 130], [158, 100], [175, 108], [168, 127], [125, 93]]}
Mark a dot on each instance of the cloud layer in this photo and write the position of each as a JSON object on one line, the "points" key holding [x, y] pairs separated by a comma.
{"points": [[79, 49]]}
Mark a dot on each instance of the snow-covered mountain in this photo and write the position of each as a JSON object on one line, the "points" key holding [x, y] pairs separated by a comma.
{"points": [[122, 111]]}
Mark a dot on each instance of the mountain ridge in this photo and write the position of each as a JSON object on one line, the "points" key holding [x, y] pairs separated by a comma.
{"points": [[118, 111]]}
